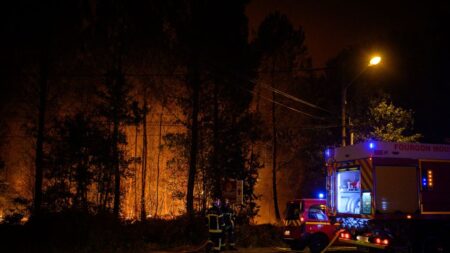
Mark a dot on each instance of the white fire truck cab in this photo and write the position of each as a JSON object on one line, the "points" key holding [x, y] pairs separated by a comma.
{"points": [[391, 196]]}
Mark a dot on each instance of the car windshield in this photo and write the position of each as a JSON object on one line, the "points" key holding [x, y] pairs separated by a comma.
{"points": [[293, 211]]}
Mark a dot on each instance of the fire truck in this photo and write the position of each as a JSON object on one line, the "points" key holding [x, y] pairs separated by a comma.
{"points": [[390, 196]]}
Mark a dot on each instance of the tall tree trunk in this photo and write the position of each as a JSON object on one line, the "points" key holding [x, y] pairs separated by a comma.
{"points": [[115, 143], [107, 187], [43, 93], [194, 82], [204, 196], [274, 150], [144, 159], [135, 166], [158, 161], [215, 166], [81, 194], [116, 166]]}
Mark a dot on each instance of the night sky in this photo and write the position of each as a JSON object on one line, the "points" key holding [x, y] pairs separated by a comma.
{"points": [[411, 36], [331, 26]]}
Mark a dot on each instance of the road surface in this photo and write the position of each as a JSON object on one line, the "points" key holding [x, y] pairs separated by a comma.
{"points": [[339, 249]]}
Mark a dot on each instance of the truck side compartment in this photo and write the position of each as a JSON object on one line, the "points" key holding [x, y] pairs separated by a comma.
{"points": [[435, 198]]}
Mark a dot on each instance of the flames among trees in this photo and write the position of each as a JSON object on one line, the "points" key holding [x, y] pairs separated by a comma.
{"points": [[281, 48], [140, 108]]}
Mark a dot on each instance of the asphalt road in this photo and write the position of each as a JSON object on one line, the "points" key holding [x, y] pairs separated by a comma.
{"points": [[339, 249], [331, 249]]}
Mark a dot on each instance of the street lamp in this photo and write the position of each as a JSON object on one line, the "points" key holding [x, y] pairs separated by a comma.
{"points": [[373, 61]]}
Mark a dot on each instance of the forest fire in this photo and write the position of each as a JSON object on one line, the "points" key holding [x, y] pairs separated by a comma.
{"points": [[149, 122], [165, 176], [159, 183]]}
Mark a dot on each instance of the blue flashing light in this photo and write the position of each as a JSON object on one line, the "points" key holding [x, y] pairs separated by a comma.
{"points": [[327, 152], [371, 145], [321, 195]]}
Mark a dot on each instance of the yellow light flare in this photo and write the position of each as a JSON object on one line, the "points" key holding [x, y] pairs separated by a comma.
{"points": [[375, 60], [24, 219]]}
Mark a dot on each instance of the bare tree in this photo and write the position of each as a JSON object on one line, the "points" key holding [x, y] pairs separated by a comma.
{"points": [[144, 157], [42, 107], [160, 147], [280, 46]]}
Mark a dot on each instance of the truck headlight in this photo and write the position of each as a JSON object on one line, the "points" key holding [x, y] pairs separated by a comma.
{"points": [[287, 233]]}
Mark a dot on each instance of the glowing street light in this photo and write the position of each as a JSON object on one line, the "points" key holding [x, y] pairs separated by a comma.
{"points": [[372, 62]]}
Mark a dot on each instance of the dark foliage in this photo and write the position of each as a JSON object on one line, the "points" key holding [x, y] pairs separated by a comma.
{"points": [[75, 231], [252, 236], [213, 48], [79, 161]]}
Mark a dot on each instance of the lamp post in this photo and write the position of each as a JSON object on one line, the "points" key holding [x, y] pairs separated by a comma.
{"points": [[373, 61]]}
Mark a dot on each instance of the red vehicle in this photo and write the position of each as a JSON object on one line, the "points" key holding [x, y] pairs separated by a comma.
{"points": [[391, 196], [307, 224]]}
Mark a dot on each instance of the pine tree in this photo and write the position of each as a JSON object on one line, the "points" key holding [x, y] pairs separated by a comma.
{"points": [[281, 49]]}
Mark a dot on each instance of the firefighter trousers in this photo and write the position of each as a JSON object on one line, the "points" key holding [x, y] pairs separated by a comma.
{"points": [[229, 239], [216, 238]]}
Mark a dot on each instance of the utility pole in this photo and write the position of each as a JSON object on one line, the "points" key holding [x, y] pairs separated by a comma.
{"points": [[343, 114]]}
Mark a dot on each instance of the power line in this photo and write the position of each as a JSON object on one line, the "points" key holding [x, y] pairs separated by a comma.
{"points": [[283, 94], [286, 106], [279, 103], [293, 97]]}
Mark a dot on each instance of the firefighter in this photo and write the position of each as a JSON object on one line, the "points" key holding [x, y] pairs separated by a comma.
{"points": [[215, 224], [229, 219]]}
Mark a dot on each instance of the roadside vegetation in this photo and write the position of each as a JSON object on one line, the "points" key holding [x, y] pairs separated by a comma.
{"points": [[73, 231]]}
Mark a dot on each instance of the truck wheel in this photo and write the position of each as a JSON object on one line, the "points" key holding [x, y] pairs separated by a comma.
{"points": [[297, 245], [318, 243]]}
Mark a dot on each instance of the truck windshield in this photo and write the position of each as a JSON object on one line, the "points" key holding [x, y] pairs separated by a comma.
{"points": [[293, 210]]}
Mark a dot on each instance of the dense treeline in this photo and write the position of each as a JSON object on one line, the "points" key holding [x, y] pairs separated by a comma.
{"points": [[89, 75]]}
